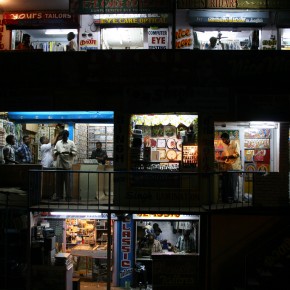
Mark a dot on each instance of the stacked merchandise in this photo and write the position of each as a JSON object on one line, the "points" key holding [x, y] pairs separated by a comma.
{"points": [[63, 259], [257, 150], [80, 140]]}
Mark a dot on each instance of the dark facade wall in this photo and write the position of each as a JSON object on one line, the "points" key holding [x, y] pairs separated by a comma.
{"points": [[243, 244], [228, 85]]}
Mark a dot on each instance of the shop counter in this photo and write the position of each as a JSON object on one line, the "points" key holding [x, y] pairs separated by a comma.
{"points": [[47, 277], [175, 271], [89, 253], [92, 184], [96, 252]]}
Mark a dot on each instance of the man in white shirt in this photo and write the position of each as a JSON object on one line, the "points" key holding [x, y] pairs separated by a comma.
{"points": [[65, 151], [46, 151]]}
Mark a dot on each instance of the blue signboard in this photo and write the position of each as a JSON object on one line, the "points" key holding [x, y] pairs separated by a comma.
{"points": [[224, 18], [125, 251], [69, 116]]}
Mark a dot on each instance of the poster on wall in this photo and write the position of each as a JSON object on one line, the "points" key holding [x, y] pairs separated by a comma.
{"points": [[158, 38], [184, 38], [91, 42], [4, 35]]}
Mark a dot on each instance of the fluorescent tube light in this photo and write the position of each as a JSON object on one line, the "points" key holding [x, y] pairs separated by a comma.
{"points": [[263, 125], [69, 213], [60, 31]]}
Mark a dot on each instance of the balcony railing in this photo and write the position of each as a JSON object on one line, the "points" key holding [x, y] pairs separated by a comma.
{"points": [[136, 191]]}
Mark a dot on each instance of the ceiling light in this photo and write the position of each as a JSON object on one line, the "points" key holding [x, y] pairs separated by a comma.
{"points": [[60, 31], [67, 213]]}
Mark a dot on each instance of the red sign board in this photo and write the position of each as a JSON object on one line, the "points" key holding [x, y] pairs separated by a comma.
{"points": [[40, 19]]}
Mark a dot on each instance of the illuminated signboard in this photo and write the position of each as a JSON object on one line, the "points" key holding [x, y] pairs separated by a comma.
{"points": [[225, 18], [119, 6], [164, 217], [40, 19]]}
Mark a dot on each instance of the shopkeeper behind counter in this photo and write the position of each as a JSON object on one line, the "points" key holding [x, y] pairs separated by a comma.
{"points": [[99, 154]]}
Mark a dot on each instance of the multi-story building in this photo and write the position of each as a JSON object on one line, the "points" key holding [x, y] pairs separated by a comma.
{"points": [[196, 96]]}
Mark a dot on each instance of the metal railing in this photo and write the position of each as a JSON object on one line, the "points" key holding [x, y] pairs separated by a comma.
{"points": [[136, 191]]}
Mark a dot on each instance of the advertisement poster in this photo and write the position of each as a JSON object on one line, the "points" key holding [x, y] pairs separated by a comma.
{"points": [[158, 38], [184, 38], [125, 251], [4, 35]]}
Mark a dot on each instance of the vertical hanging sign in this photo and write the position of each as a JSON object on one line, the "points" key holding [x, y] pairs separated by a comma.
{"points": [[126, 248], [4, 38]]}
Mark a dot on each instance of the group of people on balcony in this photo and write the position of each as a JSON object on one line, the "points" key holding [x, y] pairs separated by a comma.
{"points": [[13, 155]]}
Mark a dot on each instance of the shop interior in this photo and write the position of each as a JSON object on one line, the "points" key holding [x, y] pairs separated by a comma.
{"points": [[77, 241], [238, 38], [136, 38], [170, 231], [85, 129], [50, 40], [259, 145], [164, 142], [80, 243]]}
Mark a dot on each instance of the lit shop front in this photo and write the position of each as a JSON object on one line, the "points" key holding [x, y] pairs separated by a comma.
{"points": [[86, 128], [236, 25], [164, 142], [161, 146], [115, 249], [258, 143], [48, 29], [126, 24], [166, 251], [233, 30], [72, 246]]}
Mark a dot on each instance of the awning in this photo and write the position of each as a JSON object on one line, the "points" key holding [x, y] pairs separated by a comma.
{"points": [[61, 117]]}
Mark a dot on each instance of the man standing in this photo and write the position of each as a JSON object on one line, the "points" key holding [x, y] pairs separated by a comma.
{"points": [[46, 151], [24, 152], [185, 243], [65, 151], [25, 44], [232, 162], [9, 151]]}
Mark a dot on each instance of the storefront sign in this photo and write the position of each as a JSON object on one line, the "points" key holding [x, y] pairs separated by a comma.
{"points": [[119, 6], [88, 44], [51, 19], [158, 38], [184, 38], [190, 4], [144, 216], [126, 252], [224, 18], [80, 116], [133, 21], [230, 4], [233, 4]]}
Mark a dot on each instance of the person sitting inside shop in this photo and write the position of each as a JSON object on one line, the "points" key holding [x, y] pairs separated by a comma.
{"points": [[150, 245], [185, 243]]}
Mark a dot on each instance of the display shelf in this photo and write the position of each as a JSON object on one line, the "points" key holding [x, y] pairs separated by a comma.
{"points": [[80, 232], [101, 133]]}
